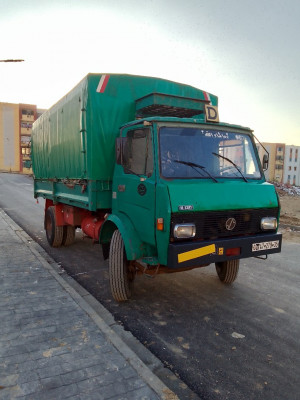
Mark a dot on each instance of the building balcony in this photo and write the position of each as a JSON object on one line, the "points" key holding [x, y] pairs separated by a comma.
{"points": [[25, 140], [27, 164], [26, 131], [27, 117]]}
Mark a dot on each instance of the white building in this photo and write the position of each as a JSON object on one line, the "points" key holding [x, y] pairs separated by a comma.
{"points": [[291, 174]]}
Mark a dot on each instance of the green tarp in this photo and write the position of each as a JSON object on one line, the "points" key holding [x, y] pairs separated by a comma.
{"points": [[75, 139]]}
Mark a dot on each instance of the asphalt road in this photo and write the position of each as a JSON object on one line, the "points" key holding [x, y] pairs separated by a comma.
{"points": [[234, 342]]}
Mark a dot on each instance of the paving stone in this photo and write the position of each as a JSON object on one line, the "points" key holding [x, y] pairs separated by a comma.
{"points": [[91, 396], [49, 371], [74, 376], [80, 364], [52, 383], [60, 393], [89, 385], [10, 393], [30, 387], [8, 380], [144, 393], [27, 376]]}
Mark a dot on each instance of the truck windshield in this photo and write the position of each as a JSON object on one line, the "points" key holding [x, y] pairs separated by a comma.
{"points": [[218, 153]]}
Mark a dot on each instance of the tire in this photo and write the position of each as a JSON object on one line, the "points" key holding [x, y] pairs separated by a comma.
{"points": [[120, 276], [228, 270], [54, 233], [68, 235]]}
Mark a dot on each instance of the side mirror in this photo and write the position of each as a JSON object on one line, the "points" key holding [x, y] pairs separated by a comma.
{"points": [[265, 162]]}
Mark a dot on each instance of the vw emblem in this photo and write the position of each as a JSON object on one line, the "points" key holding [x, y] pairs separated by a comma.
{"points": [[230, 224]]}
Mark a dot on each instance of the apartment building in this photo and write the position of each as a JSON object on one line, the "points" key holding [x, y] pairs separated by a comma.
{"points": [[276, 160], [284, 162], [291, 173], [15, 136]]}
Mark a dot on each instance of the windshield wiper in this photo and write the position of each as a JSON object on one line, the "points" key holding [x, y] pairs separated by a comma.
{"points": [[194, 166], [231, 162]]}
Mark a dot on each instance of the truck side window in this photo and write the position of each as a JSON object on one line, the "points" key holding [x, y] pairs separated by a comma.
{"points": [[138, 153]]}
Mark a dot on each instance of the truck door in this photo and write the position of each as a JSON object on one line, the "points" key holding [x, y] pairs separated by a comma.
{"points": [[136, 182]]}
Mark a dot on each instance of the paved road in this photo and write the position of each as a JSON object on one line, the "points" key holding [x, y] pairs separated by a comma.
{"points": [[225, 342]]}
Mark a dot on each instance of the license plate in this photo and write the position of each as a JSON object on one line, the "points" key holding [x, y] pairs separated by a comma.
{"points": [[265, 245]]}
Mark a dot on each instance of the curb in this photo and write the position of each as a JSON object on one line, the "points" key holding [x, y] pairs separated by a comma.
{"points": [[95, 311]]}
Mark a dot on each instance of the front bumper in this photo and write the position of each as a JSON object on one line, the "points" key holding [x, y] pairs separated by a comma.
{"points": [[197, 253]]}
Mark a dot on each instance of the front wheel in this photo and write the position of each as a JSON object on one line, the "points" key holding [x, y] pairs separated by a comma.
{"points": [[228, 270], [121, 276]]}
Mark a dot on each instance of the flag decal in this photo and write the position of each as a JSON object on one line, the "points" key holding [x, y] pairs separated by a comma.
{"points": [[102, 84], [207, 97]]}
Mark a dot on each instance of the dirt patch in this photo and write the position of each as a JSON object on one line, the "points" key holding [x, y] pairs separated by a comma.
{"points": [[290, 210], [290, 236], [290, 215]]}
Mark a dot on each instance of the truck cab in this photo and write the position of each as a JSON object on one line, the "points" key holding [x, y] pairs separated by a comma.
{"points": [[187, 192]]}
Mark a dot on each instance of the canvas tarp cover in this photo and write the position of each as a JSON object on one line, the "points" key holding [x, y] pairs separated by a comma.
{"points": [[75, 139]]}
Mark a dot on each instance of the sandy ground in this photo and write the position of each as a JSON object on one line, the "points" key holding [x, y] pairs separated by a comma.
{"points": [[290, 215]]}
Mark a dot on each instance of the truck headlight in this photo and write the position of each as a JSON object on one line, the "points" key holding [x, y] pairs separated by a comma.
{"points": [[268, 223], [184, 231]]}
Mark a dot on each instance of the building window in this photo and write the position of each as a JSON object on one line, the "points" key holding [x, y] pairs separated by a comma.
{"points": [[27, 125], [294, 180], [289, 178], [290, 168], [26, 151], [28, 113], [279, 149], [25, 140], [295, 168], [296, 155]]}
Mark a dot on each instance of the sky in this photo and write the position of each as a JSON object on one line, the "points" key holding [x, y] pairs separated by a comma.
{"points": [[244, 51]]}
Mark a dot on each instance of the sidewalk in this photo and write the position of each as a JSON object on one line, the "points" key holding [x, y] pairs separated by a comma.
{"points": [[53, 345]]}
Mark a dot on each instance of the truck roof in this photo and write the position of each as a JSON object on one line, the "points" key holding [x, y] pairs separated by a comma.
{"points": [[186, 121]]}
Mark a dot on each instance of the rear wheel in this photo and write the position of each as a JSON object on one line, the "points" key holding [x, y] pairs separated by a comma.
{"points": [[228, 270], [121, 275], [68, 235], [54, 233]]}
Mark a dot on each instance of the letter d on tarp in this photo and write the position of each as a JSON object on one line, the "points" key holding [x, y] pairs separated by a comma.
{"points": [[211, 113]]}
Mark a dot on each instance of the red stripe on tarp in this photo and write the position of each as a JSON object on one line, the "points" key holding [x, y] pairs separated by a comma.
{"points": [[105, 81], [206, 96], [102, 84]]}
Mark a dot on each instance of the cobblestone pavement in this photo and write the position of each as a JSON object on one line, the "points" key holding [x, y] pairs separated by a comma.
{"points": [[51, 347]]}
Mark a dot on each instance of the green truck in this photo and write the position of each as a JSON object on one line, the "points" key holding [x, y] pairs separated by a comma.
{"points": [[144, 167]]}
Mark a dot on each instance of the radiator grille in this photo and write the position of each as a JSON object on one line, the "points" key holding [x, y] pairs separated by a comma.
{"points": [[212, 224]]}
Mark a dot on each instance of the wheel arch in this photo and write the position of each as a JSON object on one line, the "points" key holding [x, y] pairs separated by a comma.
{"points": [[133, 245]]}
